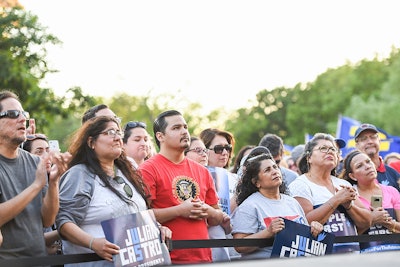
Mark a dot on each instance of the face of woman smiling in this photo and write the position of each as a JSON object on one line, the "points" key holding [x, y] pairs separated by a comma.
{"points": [[107, 145]]}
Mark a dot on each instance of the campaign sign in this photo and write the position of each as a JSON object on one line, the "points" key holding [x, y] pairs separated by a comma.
{"points": [[138, 237], [221, 181], [296, 240], [378, 246]]}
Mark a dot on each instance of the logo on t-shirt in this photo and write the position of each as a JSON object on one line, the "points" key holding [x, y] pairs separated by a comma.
{"points": [[184, 188]]}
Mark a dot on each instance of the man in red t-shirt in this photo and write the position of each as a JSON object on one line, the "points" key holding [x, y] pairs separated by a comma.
{"points": [[182, 192]]}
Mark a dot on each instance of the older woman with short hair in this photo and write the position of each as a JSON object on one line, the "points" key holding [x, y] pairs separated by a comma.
{"points": [[326, 198]]}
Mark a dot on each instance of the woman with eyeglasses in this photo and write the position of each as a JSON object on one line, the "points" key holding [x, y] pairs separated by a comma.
{"points": [[99, 185], [263, 201], [136, 142], [197, 151], [325, 198], [383, 200]]}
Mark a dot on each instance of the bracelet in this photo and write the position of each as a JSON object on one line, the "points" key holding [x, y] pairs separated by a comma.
{"points": [[330, 205], [91, 243], [350, 206]]}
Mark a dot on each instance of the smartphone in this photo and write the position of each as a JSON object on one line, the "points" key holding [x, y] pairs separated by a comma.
{"points": [[54, 145], [376, 201]]}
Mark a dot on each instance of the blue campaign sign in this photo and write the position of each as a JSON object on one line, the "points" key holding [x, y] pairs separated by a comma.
{"points": [[296, 240], [138, 237]]}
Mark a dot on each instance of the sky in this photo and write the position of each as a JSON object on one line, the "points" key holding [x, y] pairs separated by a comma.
{"points": [[219, 53]]}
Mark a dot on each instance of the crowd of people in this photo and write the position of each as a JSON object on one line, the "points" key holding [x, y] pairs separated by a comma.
{"points": [[53, 202]]}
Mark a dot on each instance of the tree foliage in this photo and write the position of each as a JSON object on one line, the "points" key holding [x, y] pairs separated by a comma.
{"points": [[23, 51]]}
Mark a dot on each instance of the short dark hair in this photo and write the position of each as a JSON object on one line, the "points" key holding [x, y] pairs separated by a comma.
{"points": [[7, 94], [160, 124], [91, 113], [273, 142]]}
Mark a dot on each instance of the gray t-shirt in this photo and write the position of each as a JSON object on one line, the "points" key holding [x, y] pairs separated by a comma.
{"points": [[257, 211], [23, 235]]}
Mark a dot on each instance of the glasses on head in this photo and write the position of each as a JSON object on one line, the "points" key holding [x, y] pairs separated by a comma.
{"points": [[257, 157], [14, 114], [31, 137], [134, 124], [327, 149], [113, 133], [364, 138], [118, 119], [199, 150], [127, 188], [218, 149]]}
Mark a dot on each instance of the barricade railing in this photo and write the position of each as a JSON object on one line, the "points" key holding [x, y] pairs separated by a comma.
{"points": [[182, 244]]}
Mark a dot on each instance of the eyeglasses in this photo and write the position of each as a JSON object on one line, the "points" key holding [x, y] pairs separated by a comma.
{"points": [[127, 188], [134, 124], [32, 137], [112, 132], [199, 150], [364, 138], [218, 149], [14, 114], [326, 149]]}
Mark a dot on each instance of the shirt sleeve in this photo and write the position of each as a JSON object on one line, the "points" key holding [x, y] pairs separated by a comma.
{"points": [[245, 220], [76, 190], [299, 188]]}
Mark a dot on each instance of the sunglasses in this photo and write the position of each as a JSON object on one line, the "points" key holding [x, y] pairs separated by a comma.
{"points": [[127, 188], [218, 149], [32, 137], [134, 124], [14, 114]]}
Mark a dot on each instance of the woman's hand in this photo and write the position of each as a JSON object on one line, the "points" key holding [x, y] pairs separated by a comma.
{"points": [[277, 225], [316, 228], [166, 233], [346, 195], [104, 248], [226, 223], [381, 216]]}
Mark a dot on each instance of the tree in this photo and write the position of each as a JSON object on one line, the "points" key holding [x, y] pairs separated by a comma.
{"points": [[23, 64]]}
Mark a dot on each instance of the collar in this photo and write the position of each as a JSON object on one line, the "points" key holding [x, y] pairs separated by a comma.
{"points": [[381, 167]]}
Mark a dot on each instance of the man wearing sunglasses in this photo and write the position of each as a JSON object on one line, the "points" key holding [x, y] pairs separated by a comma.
{"points": [[28, 196]]}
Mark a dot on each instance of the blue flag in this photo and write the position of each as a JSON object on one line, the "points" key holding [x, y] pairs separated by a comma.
{"points": [[347, 127]]}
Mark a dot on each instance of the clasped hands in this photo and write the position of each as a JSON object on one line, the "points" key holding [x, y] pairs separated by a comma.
{"points": [[194, 209], [347, 195]]}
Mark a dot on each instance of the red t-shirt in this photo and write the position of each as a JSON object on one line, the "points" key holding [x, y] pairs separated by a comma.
{"points": [[170, 184]]}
